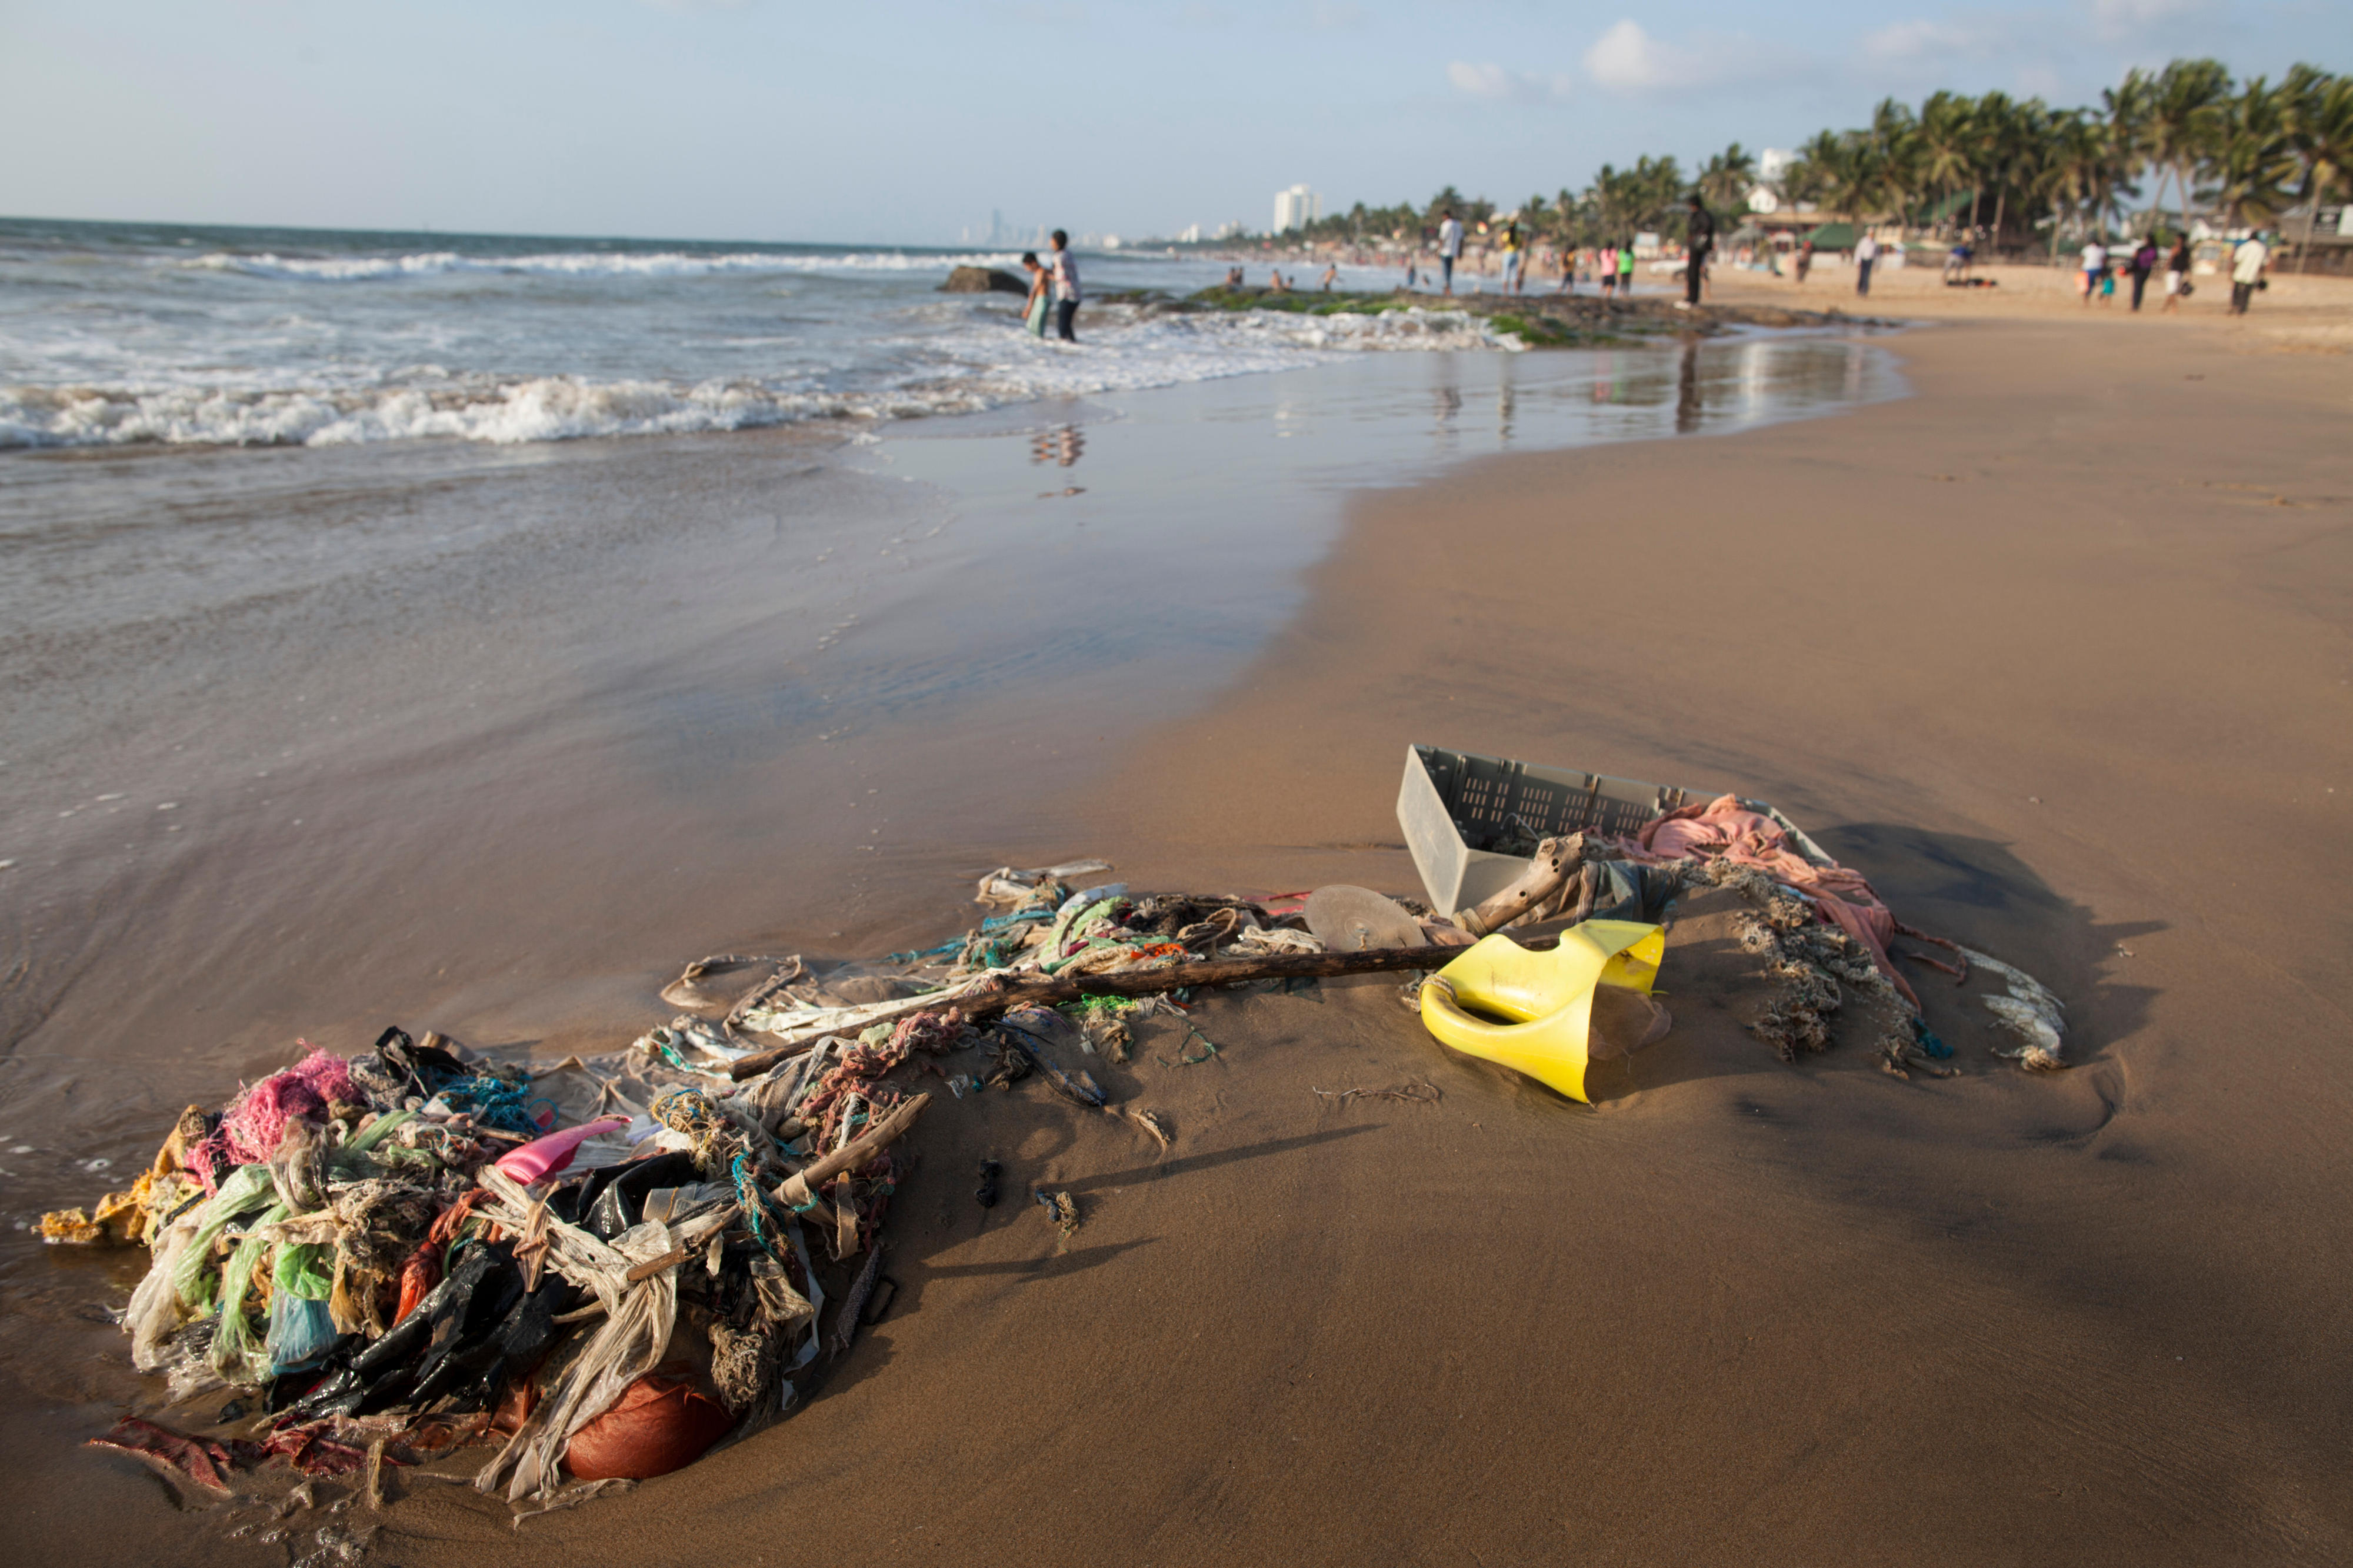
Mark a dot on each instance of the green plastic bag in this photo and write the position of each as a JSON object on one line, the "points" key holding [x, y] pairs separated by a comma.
{"points": [[246, 1188]]}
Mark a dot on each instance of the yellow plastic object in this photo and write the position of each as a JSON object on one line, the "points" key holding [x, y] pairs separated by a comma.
{"points": [[1548, 997]]}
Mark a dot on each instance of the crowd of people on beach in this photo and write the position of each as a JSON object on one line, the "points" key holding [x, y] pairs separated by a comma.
{"points": [[1053, 297], [2102, 264]]}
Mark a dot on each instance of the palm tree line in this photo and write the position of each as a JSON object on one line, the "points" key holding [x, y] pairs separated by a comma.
{"points": [[2200, 144]]}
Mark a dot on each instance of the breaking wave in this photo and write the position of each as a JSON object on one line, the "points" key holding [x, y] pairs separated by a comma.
{"points": [[982, 366], [578, 263]]}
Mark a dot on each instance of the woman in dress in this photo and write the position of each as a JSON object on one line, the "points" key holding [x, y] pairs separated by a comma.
{"points": [[1039, 303]]}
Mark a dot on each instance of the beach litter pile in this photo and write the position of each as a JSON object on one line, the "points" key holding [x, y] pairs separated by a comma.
{"points": [[602, 1269]]}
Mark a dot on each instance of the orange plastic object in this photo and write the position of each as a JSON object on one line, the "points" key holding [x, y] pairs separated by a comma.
{"points": [[1532, 1012]]}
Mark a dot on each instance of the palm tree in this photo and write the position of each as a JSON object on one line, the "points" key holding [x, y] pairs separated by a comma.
{"points": [[1893, 142], [1612, 200], [1942, 144], [2077, 164], [1992, 131], [2320, 134], [2184, 121], [2128, 114], [2257, 164], [1725, 180], [1808, 178]]}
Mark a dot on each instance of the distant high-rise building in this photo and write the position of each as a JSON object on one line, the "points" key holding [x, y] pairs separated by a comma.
{"points": [[1192, 235], [1296, 208], [1773, 162]]}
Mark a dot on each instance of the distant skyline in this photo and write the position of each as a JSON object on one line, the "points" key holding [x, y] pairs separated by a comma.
{"points": [[765, 119]]}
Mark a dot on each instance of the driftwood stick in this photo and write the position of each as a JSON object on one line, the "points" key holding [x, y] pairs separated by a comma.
{"points": [[1047, 989], [800, 1188]]}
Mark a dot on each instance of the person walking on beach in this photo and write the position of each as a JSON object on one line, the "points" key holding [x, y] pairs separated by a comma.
{"points": [[1511, 244], [1330, 275], [2096, 266], [1699, 236], [2247, 265], [1606, 264], [1866, 252], [2143, 262], [1066, 287], [1805, 259], [1450, 246], [2177, 273], [1626, 271]]}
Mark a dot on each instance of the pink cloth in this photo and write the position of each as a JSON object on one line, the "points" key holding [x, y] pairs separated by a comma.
{"points": [[254, 1123], [1724, 827], [543, 1157]]}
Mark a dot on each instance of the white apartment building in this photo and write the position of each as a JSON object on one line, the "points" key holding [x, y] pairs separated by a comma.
{"points": [[1296, 208]]}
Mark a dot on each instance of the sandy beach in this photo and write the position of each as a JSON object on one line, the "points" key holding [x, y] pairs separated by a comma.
{"points": [[2054, 648]]}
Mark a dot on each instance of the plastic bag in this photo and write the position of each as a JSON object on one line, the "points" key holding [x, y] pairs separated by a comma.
{"points": [[246, 1188], [238, 1353], [301, 1333], [659, 1424], [630, 1341], [305, 1269]]}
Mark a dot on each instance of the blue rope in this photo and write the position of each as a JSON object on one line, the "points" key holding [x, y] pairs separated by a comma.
{"points": [[754, 1202], [496, 1102]]}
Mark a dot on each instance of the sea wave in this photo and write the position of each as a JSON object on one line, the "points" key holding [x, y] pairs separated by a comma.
{"points": [[987, 366], [579, 264]]}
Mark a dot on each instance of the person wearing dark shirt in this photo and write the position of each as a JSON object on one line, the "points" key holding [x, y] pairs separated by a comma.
{"points": [[2177, 273], [2143, 262], [1699, 236]]}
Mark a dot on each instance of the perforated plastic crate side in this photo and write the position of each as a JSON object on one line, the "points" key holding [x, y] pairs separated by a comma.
{"points": [[1450, 797]]}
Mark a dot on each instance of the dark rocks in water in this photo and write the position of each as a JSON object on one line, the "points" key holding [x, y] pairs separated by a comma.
{"points": [[983, 280]]}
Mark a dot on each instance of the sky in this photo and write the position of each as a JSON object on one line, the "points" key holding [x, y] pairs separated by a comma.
{"points": [[910, 122]]}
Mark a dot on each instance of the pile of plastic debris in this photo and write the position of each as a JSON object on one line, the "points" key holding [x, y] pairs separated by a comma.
{"points": [[608, 1268], [604, 1267]]}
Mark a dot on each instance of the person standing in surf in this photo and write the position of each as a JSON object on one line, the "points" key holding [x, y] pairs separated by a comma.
{"points": [[1699, 241], [1450, 246], [1066, 287], [1034, 308]]}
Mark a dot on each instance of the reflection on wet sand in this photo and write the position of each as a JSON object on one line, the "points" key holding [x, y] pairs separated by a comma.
{"points": [[1062, 447]]}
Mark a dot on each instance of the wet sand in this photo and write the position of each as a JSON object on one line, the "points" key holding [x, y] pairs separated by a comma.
{"points": [[2052, 649]]}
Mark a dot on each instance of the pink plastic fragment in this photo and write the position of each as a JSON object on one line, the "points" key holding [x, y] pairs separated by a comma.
{"points": [[543, 1157]]}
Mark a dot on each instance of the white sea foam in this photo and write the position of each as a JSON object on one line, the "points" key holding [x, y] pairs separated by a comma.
{"points": [[581, 264], [980, 363]]}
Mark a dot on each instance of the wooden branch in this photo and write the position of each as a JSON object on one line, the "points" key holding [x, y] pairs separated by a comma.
{"points": [[1048, 989], [854, 1154]]}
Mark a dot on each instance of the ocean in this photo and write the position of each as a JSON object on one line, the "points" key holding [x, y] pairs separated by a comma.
{"points": [[128, 333]]}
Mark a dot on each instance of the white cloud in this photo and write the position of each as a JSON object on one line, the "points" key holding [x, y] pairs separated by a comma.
{"points": [[1493, 81], [1922, 40], [1912, 41], [1628, 60], [2125, 18]]}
